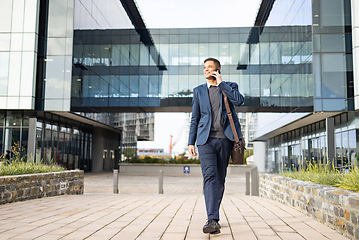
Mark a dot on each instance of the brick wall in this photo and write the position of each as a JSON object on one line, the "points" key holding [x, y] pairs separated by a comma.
{"points": [[336, 208], [31, 186]]}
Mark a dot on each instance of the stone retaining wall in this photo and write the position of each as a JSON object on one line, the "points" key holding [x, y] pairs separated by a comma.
{"points": [[336, 208], [30, 186]]}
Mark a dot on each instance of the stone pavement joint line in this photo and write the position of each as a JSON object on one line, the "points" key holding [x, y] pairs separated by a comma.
{"points": [[177, 214]]}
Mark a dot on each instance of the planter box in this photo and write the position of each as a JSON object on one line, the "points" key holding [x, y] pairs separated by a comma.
{"points": [[30, 186], [175, 169], [336, 208]]}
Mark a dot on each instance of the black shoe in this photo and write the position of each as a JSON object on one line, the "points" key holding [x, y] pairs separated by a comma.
{"points": [[211, 227], [219, 225]]}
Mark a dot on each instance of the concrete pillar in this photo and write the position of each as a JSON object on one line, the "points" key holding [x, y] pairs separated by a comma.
{"points": [[8, 135], [160, 182], [254, 182], [97, 150], [260, 156], [31, 145], [330, 134], [355, 41], [115, 181], [248, 183]]}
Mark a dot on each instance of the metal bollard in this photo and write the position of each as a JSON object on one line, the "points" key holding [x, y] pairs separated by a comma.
{"points": [[160, 182], [254, 182], [115, 181], [248, 180]]}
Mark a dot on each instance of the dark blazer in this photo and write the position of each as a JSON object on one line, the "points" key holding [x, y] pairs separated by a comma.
{"points": [[202, 112]]}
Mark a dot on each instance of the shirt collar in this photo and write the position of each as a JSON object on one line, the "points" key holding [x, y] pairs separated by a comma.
{"points": [[209, 85]]}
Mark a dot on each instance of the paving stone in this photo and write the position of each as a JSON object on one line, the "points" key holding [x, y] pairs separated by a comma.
{"points": [[173, 215], [282, 229], [290, 236]]}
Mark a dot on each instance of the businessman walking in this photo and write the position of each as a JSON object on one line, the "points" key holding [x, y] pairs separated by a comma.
{"points": [[211, 129]]}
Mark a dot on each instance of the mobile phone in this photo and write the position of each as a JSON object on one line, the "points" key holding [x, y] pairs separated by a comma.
{"points": [[217, 70]]}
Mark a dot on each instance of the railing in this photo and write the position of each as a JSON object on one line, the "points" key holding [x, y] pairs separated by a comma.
{"points": [[251, 173]]}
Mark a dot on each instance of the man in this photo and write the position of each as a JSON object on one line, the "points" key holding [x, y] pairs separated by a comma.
{"points": [[211, 129]]}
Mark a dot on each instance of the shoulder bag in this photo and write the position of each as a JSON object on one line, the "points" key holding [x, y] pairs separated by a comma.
{"points": [[239, 144]]}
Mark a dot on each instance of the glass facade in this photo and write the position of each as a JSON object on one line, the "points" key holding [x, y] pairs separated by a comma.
{"points": [[57, 140], [57, 78], [332, 56], [294, 149], [332, 65], [64, 142], [115, 68], [18, 53]]}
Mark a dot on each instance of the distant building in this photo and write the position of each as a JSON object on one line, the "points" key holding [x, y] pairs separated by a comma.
{"points": [[153, 153]]}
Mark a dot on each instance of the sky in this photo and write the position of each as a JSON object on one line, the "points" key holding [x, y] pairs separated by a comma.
{"points": [[189, 14], [167, 124], [195, 13]]}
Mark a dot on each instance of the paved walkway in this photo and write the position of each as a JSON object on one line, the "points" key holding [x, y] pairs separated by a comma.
{"points": [[138, 212]]}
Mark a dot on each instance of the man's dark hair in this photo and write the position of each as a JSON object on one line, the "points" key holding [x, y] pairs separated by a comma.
{"points": [[216, 62]]}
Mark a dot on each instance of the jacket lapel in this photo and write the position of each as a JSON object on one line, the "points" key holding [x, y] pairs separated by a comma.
{"points": [[205, 97]]}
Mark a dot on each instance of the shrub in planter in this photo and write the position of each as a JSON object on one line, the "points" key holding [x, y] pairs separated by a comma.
{"points": [[326, 175], [18, 165]]}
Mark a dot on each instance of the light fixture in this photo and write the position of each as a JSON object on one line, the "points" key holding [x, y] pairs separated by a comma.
{"points": [[79, 79]]}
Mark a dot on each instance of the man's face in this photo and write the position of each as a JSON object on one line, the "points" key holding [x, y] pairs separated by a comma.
{"points": [[208, 68]]}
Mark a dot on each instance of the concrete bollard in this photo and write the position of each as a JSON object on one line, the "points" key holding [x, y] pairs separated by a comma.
{"points": [[254, 182], [248, 182], [115, 181], [160, 182]]}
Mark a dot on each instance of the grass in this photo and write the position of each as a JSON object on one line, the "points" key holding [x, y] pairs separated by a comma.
{"points": [[351, 180], [325, 175], [22, 167]]}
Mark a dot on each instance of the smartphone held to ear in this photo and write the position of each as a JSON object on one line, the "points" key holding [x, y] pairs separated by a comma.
{"points": [[217, 70]]}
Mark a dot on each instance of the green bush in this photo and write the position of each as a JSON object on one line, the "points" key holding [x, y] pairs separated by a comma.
{"points": [[326, 175], [21, 167], [148, 160], [184, 161]]}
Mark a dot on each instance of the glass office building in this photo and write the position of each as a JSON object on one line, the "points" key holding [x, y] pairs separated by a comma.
{"points": [[61, 57], [115, 69], [36, 48], [329, 134]]}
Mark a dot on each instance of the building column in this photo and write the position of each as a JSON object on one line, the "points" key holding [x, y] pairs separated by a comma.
{"points": [[97, 150], [355, 41], [31, 145], [330, 134], [259, 156]]}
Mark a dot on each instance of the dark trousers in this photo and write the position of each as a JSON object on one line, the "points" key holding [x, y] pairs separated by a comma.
{"points": [[214, 157]]}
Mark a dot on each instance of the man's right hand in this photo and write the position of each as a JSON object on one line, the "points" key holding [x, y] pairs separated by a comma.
{"points": [[192, 150]]}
